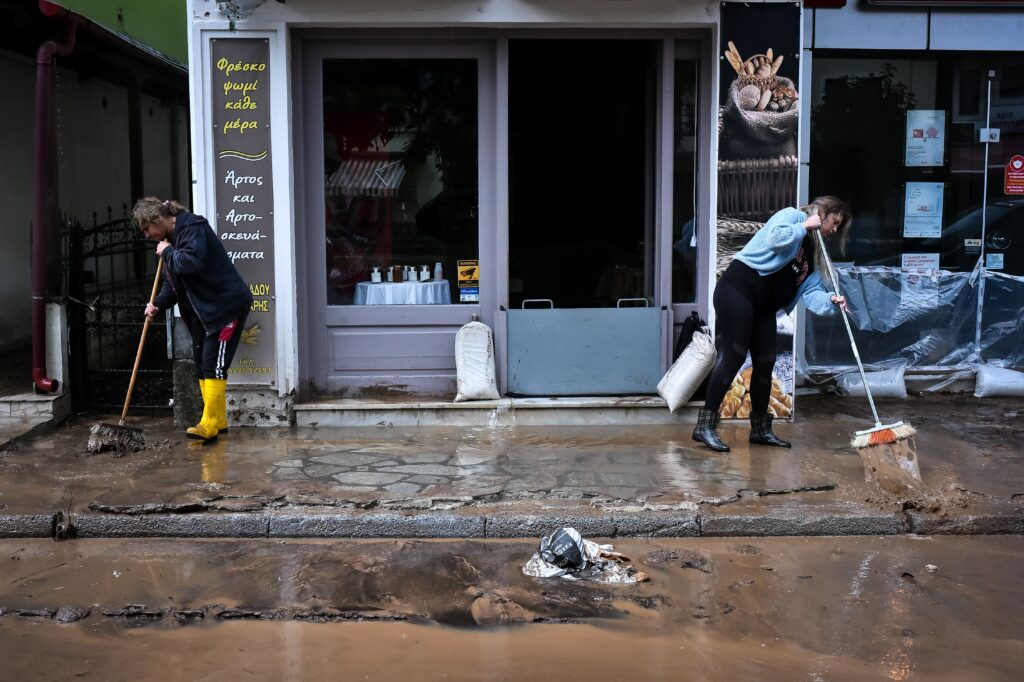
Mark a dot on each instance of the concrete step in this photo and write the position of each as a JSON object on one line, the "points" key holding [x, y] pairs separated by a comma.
{"points": [[24, 413], [562, 411]]}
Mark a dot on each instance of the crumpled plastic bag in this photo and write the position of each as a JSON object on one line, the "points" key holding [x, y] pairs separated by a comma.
{"points": [[565, 554]]}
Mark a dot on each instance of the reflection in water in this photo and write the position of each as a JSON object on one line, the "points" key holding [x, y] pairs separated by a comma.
{"points": [[899, 616], [214, 463], [694, 471]]}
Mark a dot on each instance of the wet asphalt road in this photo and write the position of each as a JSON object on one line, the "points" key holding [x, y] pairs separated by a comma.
{"points": [[826, 608]]}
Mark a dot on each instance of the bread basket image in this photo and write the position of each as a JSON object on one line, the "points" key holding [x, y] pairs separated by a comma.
{"points": [[759, 71], [736, 404]]}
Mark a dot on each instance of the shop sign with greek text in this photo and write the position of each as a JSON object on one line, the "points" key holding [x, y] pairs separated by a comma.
{"points": [[244, 195]]}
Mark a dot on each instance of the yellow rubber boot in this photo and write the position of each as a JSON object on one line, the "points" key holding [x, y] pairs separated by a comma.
{"points": [[222, 418], [222, 411], [202, 391], [206, 429]]}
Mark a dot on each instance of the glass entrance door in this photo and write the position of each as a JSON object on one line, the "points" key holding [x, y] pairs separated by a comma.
{"points": [[580, 162], [583, 318]]}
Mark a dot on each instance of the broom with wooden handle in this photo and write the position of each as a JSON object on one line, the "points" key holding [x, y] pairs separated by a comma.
{"points": [[879, 434], [120, 437]]}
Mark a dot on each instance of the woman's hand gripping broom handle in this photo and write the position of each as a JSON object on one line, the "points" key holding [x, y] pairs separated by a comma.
{"points": [[849, 331], [142, 342]]}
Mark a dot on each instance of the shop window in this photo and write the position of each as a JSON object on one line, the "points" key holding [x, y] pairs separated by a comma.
{"points": [[684, 192], [913, 206], [400, 179], [1011, 84]]}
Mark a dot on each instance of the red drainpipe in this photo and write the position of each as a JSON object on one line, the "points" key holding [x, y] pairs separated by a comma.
{"points": [[40, 215]]}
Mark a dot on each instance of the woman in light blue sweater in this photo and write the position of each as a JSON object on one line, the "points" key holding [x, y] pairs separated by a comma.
{"points": [[778, 267]]}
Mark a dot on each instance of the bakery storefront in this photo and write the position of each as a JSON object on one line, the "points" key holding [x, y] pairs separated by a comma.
{"points": [[547, 167]]}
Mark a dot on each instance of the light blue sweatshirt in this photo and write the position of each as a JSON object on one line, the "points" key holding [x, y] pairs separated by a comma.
{"points": [[774, 246]]}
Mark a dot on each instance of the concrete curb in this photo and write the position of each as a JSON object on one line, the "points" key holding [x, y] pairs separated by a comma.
{"points": [[26, 525], [806, 522], [427, 524]]}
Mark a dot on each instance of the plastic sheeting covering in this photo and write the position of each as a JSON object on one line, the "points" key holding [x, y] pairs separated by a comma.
{"points": [[1002, 321], [925, 319]]}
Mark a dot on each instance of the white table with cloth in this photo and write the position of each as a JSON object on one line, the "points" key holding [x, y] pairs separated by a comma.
{"points": [[403, 293]]}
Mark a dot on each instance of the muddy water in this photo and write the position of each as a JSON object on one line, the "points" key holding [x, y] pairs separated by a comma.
{"points": [[968, 445], [897, 608]]}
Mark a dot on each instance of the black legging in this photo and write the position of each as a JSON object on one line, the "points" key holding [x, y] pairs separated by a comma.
{"points": [[744, 321]]}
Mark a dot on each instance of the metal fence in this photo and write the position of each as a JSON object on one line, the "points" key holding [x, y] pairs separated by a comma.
{"points": [[108, 276]]}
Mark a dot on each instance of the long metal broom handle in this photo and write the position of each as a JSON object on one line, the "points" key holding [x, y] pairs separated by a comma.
{"points": [[849, 331]]}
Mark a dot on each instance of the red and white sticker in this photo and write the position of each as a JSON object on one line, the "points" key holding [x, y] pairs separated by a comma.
{"points": [[1013, 181]]}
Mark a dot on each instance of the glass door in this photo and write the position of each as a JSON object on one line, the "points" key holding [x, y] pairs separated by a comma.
{"points": [[393, 183], [583, 316], [580, 158]]}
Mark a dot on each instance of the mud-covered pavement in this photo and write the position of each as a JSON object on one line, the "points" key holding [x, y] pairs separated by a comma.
{"points": [[864, 608], [961, 474]]}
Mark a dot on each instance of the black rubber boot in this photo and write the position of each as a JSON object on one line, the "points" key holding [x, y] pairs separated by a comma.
{"points": [[761, 432], [707, 422]]}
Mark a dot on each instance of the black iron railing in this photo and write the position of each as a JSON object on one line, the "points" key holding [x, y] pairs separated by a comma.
{"points": [[108, 277]]}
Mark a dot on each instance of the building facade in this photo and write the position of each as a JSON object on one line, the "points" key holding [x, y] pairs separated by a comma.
{"points": [[570, 172]]}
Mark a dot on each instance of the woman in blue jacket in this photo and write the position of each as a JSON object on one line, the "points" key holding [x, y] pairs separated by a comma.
{"points": [[778, 267], [213, 299]]}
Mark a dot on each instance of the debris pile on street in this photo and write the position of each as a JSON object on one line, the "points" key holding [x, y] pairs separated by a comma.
{"points": [[565, 554]]}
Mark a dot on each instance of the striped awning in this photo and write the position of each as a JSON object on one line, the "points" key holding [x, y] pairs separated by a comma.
{"points": [[366, 176]]}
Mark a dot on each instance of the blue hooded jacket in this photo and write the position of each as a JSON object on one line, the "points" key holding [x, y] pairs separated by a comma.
{"points": [[774, 246], [199, 276]]}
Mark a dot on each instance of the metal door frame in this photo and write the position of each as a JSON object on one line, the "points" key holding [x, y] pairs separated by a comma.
{"points": [[490, 46], [315, 315], [694, 44]]}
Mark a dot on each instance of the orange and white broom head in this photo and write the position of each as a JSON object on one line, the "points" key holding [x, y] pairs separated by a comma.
{"points": [[882, 434]]}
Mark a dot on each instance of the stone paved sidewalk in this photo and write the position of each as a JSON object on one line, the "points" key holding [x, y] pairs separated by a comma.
{"points": [[522, 481]]}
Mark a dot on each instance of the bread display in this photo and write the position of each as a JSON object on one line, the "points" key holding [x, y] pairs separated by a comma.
{"points": [[736, 404], [756, 81]]}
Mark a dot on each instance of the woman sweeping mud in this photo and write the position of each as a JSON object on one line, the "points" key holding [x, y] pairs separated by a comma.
{"points": [[213, 299], [779, 266]]}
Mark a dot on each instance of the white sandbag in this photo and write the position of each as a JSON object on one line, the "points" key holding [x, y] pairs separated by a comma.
{"points": [[998, 381], [685, 375], [474, 363], [887, 383]]}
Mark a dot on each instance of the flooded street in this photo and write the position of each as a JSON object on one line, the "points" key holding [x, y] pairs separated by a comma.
{"points": [[961, 462], [826, 608]]}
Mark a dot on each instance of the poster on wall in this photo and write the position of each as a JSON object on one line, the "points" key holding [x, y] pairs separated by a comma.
{"points": [[922, 210], [757, 151], [244, 191], [926, 137]]}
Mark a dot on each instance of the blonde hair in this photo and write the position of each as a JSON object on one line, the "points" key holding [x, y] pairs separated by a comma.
{"points": [[823, 207], [148, 209]]}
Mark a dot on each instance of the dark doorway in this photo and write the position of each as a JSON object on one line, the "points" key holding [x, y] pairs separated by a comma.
{"points": [[581, 156]]}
